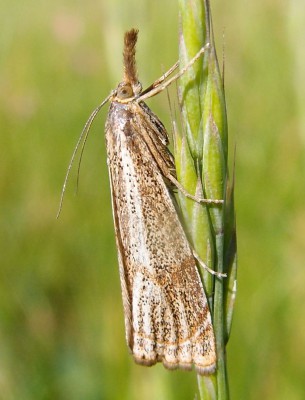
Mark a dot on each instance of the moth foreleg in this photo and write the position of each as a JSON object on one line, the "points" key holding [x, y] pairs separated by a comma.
{"points": [[161, 79], [203, 265], [157, 89], [190, 196]]}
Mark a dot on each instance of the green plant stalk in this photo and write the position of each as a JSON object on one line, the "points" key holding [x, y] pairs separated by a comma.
{"points": [[230, 258], [201, 163], [196, 217], [214, 176], [219, 325]]}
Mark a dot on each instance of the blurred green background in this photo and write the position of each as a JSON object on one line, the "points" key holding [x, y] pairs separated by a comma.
{"points": [[61, 322]]}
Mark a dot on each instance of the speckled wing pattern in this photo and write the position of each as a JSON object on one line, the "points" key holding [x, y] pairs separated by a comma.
{"points": [[167, 317]]}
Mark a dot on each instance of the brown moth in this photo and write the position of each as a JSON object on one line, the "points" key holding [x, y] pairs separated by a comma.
{"points": [[167, 317]]}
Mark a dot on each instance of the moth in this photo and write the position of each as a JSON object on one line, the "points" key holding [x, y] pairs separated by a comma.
{"points": [[167, 316]]}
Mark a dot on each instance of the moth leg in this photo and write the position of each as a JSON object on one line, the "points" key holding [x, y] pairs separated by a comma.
{"points": [[190, 196], [203, 265], [159, 88], [161, 79]]}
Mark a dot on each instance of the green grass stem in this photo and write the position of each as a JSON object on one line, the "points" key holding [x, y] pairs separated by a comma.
{"points": [[201, 154]]}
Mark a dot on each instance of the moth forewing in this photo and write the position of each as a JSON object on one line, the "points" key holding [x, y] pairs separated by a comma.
{"points": [[167, 316]]}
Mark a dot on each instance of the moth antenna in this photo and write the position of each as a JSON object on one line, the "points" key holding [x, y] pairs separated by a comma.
{"points": [[129, 55], [82, 152], [84, 134]]}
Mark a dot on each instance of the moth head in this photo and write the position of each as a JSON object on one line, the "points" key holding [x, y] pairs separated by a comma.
{"points": [[126, 90]]}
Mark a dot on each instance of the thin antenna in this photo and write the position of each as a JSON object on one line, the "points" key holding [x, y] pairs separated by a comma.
{"points": [[82, 150], [84, 133]]}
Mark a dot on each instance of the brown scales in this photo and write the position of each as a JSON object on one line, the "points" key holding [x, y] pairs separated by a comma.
{"points": [[130, 68]]}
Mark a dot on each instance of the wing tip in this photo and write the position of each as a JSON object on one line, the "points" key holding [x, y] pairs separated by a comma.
{"points": [[207, 366]]}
